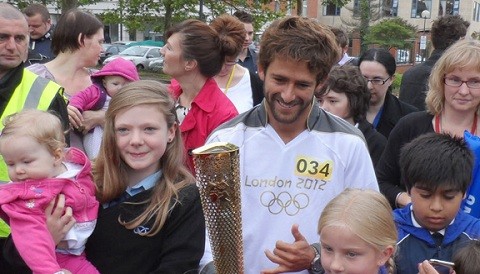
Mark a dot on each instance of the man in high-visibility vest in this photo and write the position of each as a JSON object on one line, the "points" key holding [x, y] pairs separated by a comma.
{"points": [[20, 88]]}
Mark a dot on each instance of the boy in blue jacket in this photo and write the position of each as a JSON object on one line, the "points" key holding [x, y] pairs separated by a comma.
{"points": [[438, 171]]}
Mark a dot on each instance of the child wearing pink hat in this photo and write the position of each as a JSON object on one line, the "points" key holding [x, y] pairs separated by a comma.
{"points": [[106, 82]]}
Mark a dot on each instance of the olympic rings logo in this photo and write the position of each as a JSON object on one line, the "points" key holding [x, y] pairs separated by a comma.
{"points": [[284, 201]]}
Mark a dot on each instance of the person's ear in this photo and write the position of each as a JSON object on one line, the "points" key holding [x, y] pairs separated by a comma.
{"points": [[80, 39], [385, 255], [190, 65], [58, 154], [171, 132], [261, 73]]}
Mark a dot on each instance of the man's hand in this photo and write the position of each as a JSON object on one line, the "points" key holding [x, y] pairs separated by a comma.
{"points": [[296, 256], [58, 222]]}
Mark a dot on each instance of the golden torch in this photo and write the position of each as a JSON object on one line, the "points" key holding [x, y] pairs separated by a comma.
{"points": [[218, 179]]}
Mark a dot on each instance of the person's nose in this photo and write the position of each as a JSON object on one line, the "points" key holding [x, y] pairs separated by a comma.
{"points": [[288, 93], [10, 43], [19, 169], [336, 263], [325, 106], [136, 138], [436, 204], [464, 89]]}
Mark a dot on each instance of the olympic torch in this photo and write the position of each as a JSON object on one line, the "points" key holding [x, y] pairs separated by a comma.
{"points": [[218, 179]]}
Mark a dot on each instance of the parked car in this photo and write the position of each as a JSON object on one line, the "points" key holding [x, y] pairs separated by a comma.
{"points": [[110, 50], [156, 65], [139, 55]]}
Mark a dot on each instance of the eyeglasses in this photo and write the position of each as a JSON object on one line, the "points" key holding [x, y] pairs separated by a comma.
{"points": [[377, 82], [455, 82]]}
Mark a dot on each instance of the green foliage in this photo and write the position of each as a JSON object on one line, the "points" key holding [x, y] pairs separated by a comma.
{"points": [[339, 3], [396, 83], [391, 33]]}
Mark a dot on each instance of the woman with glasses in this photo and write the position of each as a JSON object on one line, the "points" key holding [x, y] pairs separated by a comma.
{"points": [[378, 67], [243, 88], [452, 102]]}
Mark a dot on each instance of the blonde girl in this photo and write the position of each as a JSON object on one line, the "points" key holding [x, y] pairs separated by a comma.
{"points": [[357, 234], [151, 212]]}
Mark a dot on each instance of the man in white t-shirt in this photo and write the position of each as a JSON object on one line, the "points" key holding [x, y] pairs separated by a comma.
{"points": [[294, 157]]}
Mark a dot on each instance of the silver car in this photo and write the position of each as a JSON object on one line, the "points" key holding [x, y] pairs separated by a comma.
{"points": [[141, 56], [156, 65]]}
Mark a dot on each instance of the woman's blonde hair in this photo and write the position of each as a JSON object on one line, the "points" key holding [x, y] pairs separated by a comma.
{"points": [[111, 172], [45, 127], [465, 55], [366, 213]]}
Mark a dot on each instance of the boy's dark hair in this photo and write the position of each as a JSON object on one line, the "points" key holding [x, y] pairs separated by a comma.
{"points": [[447, 30], [432, 159], [467, 259], [340, 36], [349, 80], [244, 16]]}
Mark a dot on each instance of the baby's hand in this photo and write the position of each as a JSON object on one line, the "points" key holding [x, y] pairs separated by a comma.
{"points": [[75, 117]]}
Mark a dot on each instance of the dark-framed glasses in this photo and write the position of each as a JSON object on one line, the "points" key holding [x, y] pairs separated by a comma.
{"points": [[376, 81], [455, 82]]}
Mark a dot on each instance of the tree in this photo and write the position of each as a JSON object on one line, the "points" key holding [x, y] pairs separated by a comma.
{"points": [[160, 15], [364, 14], [391, 33], [62, 5]]}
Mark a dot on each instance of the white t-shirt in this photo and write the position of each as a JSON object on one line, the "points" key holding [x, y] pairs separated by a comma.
{"points": [[241, 93], [285, 184]]}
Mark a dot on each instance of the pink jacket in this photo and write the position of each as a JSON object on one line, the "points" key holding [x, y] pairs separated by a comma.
{"points": [[87, 99], [210, 108], [23, 206]]}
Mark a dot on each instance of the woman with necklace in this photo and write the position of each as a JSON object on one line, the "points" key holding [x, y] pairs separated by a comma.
{"points": [[243, 88], [452, 104], [193, 55]]}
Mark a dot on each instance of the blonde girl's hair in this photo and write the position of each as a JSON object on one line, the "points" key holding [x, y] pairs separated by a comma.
{"points": [[366, 213], [464, 55], [111, 172], [45, 127]]}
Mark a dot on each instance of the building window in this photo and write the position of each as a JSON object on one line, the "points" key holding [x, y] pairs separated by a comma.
{"points": [[476, 12], [331, 9], [420, 5], [390, 8], [356, 8], [448, 7]]}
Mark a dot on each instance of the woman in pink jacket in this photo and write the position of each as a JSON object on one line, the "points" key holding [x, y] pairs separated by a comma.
{"points": [[193, 54], [33, 147]]}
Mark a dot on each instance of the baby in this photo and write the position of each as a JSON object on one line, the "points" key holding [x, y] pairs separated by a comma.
{"points": [[106, 82], [32, 144]]}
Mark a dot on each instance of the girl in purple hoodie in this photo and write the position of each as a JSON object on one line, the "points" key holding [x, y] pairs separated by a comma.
{"points": [[106, 82]]}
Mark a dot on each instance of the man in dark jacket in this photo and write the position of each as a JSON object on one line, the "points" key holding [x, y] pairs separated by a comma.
{"points": [[40, 28], [446, 30]]}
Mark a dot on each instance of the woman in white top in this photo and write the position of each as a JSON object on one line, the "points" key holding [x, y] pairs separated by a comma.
{"points": [[243, 88]]}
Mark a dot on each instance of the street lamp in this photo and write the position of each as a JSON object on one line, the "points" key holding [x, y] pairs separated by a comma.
{"points": [[423, 38]]}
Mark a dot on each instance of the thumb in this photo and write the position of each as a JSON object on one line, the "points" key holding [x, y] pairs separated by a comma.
{"points": [[296, 234]]}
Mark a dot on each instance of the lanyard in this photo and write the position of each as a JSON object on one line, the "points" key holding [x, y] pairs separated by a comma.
{"points": [[230, 78], [438, 127]]}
